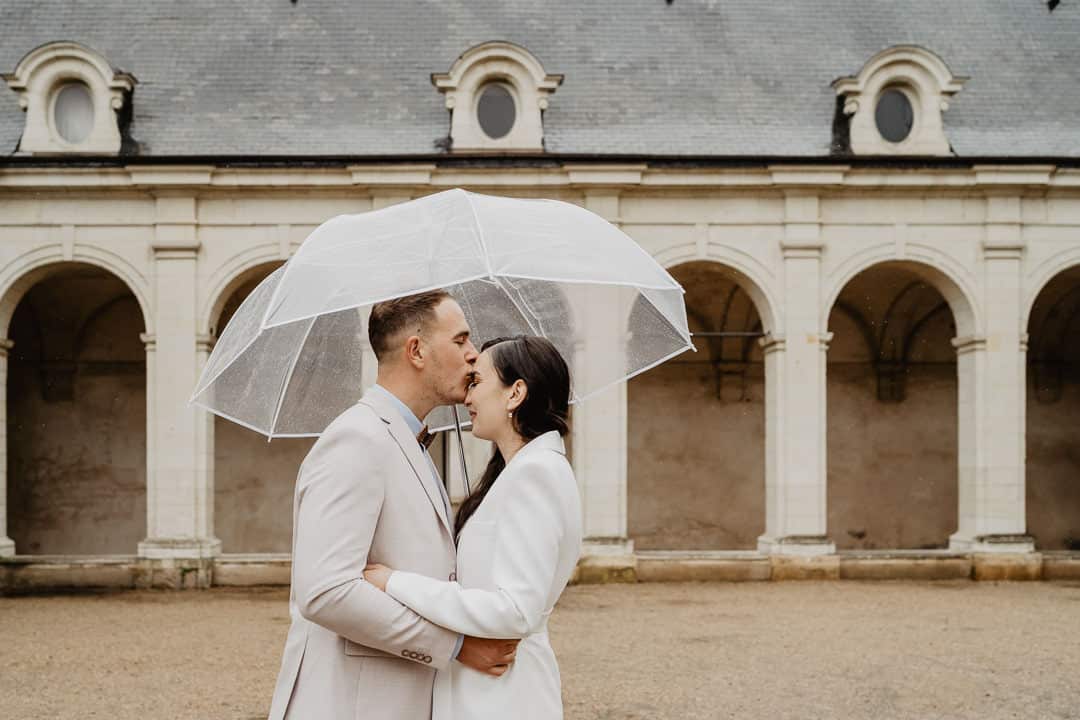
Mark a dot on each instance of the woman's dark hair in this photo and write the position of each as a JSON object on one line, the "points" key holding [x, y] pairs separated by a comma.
{"points": [[546, 407]]}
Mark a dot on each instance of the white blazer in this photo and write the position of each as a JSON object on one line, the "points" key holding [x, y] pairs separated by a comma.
{"points": [[515, 557]]}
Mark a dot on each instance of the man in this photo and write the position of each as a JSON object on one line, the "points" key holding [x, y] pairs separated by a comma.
{"points": [[368, 492]]}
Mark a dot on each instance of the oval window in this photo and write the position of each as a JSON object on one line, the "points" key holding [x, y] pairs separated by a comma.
{"points": [[894, 116], [73, 112], [496, 111]]}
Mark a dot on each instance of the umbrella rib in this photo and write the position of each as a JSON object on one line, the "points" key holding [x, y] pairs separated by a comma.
{"points": [[289, 374], [480, 236], [230, 418], [626, 378], [206, 386], [491, 272]]}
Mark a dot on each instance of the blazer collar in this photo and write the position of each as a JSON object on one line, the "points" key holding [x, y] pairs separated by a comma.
{"points": [[409, 445], [550, 440]]}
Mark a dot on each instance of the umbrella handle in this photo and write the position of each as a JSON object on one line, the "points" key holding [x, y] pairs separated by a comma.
{"points": [[461, 452]]}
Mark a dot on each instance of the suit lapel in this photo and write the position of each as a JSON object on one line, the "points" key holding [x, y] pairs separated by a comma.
{"points": [[413, 454]]}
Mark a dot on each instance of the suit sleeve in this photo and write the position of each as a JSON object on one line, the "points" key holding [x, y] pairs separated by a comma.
{"points": [[528, 532], [340, 496]]}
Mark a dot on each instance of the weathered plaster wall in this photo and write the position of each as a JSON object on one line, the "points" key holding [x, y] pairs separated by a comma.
{"points": [[77, 418], [696, 471], [892, 464]]}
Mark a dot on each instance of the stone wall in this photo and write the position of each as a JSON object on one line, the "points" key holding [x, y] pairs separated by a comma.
{"points": [[892, 421], [696, 471], [77, 418], [1053, 416]]}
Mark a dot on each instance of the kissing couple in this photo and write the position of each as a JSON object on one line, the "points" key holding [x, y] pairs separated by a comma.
{"points": [[400, 610]]}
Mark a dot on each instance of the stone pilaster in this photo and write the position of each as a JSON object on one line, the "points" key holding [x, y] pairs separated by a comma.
{"points": [[180, 544], [991, 514], [795, 494], [600, 435]]}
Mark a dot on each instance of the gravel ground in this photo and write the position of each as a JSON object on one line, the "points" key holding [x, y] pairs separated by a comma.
{"points": [[627, 652]]}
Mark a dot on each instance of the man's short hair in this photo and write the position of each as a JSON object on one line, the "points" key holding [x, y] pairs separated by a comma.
{"points": [[412, 312]]}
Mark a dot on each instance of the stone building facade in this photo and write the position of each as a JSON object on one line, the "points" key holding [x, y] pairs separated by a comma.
{"points": [[877, 224]]}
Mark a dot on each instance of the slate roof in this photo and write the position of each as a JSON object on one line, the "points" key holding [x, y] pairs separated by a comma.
{"points": [[726, 78]]}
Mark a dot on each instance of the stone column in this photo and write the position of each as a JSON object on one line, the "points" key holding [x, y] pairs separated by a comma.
{"points": [[600, 435], [7, 545], [180, 545], [992, 385], [795, 521]]}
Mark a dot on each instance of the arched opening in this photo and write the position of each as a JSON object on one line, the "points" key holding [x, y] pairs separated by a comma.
{"points": [[1053, 415], [76, 416], [892, 425], [253, 479], [696, 466]]}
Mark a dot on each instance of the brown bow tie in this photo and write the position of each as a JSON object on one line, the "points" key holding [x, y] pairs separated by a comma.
{"points": [[425, 438]]}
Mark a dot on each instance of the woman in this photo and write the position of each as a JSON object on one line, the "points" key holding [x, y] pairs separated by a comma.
{"points": [[519, 537]]}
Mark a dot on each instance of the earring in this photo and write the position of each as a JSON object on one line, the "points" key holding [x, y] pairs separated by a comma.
{"points": [[510, 414]]}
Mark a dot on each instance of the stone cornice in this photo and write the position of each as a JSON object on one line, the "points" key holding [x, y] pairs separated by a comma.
{"points": [[426, 177]]}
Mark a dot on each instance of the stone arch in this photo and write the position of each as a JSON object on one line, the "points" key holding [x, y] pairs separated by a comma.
{"points": [[1052, 411], [753, 277], [31, 268], [1045, 273], [684, 494], [76, 401], [253, 479], [935, 268], [893, 418], [231, 276]]}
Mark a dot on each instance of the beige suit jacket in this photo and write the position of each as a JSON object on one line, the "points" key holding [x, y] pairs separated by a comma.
{"points": [[364, 493]]}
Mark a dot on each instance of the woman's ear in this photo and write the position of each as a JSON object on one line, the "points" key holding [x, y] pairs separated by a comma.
{"points": [[518, 392]]}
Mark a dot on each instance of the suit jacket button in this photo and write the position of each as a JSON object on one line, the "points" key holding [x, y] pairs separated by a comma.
{"points": [[453, 576], [427, 658]]}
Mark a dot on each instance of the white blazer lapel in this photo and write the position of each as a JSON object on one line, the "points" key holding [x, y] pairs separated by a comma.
{"points": [[411, 449]]}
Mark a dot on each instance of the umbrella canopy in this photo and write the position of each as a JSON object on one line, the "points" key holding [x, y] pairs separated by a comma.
{"points": [[294, 353]]}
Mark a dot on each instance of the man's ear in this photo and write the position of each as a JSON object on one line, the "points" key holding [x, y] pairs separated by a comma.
{"points": [[414, 351]]}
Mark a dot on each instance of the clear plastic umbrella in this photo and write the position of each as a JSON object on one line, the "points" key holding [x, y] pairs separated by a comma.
{"points": [[293, 355]]}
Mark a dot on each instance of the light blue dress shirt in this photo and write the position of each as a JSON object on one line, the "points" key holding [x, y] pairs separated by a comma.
{"points": [[415, 426]]}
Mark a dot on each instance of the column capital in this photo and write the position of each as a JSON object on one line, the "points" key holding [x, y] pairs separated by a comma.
{"points": [[205, 342], [1003, 248], [6, 344], [969, 343], [149, 340], [806, 247], [604, 203], [175, 219], [772, 343], [175, 242]]}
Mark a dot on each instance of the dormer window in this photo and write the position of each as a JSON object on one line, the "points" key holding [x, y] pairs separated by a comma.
{"points": [[894, 115], [71, 96], [896, 103], [496, 94], [73, 112], [496, 110]]}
